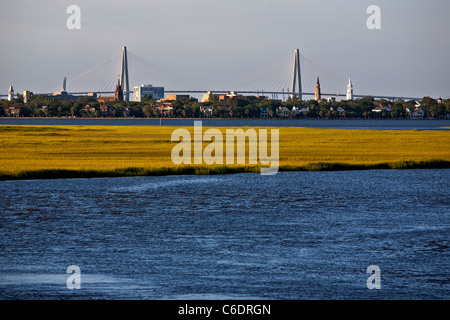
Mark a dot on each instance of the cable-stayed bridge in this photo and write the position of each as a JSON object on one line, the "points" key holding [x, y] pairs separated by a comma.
{"points": [[289, 76]]}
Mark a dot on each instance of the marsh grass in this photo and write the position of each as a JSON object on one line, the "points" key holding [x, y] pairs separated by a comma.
{"points": [[36, 152]]}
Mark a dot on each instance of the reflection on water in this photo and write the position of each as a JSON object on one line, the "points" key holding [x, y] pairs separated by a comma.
{"points": [[153, 185], [294, 235]]}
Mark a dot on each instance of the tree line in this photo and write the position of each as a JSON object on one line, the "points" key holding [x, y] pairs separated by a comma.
{"points": [[238, 107]]}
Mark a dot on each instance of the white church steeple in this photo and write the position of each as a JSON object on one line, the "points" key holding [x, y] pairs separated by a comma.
{"points": [[10, 93], [350, 89]]}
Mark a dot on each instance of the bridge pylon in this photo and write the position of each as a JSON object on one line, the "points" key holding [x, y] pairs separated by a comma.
{"points": [[296, 76], [124, 75]]}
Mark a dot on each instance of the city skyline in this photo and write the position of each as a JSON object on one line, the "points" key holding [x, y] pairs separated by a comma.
{"points": [[212, 42]]}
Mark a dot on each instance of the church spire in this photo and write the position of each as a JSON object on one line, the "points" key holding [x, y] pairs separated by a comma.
{"points": [[317, 95], [118, 95], [350, 88], [10, 93]]}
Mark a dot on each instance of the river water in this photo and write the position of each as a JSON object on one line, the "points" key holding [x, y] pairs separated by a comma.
{"points": [[336, 124], [294, 235]]}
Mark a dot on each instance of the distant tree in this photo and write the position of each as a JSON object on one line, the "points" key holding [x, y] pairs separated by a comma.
{"points": [[429, 106], [365, 104], [75, 110], [397, 109], [136, 112], [38, 113], [292, 102], [146, 98], [447, 105], [180, 113], [213, 98], [236, 107], [51, 110], [147, 111], [41, 100], [26, 111], [195, 110], [427, 101], [84, 100], [313, 104]]}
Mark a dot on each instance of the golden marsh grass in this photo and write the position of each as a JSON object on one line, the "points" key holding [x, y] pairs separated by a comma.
{"points": [[95, 151]]}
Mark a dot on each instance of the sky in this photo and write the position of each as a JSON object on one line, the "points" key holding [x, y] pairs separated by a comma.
{"points": [[211, 42]]}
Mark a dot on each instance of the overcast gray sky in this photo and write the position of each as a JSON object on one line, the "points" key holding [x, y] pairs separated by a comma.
{"points": [[215, 41]]}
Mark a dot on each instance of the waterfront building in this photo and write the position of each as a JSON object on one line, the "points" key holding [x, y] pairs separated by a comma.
{"points": [[143, 90], [339, 110], [173, 97], [219, 97], [208, 96], [89, 110], [118, 95], [106, 110], [105, 99], [207, 111], [283, 112], [12, 111], [27, 96], [418, 112], [62, 95], [166, 109], [381, 108], [305, 111], [264, 112]]}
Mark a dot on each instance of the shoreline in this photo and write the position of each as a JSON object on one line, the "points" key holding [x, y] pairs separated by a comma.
{"points": [[239, 119], [51, 174]]}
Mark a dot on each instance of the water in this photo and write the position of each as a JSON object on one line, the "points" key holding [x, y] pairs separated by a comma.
{"points": [[294, 235], [337, 124]]}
